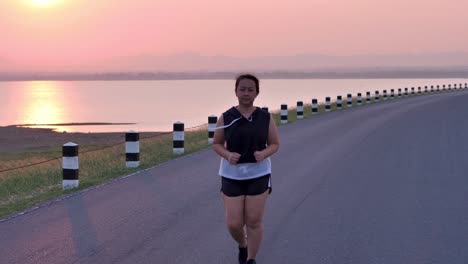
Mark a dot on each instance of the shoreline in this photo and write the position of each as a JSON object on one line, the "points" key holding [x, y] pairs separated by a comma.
{"points": [[339, 73], [74, 124], [18, 139]]}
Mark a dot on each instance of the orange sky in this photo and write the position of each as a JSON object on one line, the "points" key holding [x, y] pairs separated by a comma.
{"points": [[84, 31]]}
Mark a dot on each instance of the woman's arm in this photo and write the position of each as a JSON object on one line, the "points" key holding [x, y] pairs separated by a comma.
{"points": [[218, 144], [272, 141]]}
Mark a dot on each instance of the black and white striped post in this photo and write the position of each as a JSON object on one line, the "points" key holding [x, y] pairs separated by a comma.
{"points": [[300, 110], [132, 149], [178, 137], [392, 93], [443, 87], [432, 88], [368, 98], [438, 88], [314, 106], [339, 102], [264, 108], [327, 104], [70, 166], [212, 120], [359, 99], [412, 91], [399, 92], [455, 86], [425, 89], [377, 98], [450, 87], [385, 95], [466, 85], [284, 113], [406, 92], [349, 100], [419, 90]]}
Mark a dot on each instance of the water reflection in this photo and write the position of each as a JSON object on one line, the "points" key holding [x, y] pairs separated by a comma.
{"points": [[41, 104]]}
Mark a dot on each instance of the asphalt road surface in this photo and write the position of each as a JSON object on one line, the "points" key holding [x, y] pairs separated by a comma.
{"points": [[383, 183]]}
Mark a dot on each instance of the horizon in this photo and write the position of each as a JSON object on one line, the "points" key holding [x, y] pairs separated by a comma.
{"points": [[384, 73], [190, 62]]}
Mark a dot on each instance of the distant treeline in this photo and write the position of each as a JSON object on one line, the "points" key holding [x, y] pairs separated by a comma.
{"points": [[428, 73]]}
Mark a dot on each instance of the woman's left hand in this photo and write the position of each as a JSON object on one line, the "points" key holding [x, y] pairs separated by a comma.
{"points": [[259, 156]]}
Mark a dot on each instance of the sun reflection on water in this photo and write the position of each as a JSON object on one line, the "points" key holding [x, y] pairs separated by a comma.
{"points": [[42, 104]]}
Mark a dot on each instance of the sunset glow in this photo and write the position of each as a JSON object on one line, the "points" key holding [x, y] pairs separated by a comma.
{"points": [[129, 35], [43, 3]]}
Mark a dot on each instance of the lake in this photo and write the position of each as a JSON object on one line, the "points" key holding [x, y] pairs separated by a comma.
{"points": [[156, 105]]}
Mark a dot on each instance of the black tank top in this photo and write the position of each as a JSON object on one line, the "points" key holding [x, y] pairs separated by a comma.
{"points": [[246, 135]]}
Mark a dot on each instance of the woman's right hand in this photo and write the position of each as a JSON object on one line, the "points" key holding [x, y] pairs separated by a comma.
{"points": [[233, 157]]}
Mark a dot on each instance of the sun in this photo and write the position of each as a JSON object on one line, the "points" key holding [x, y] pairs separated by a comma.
{"points": [[43, 3]]}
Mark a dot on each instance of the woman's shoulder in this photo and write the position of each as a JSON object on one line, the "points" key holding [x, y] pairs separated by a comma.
{"points": [[230, 114], [231, 111], [263, 113]]}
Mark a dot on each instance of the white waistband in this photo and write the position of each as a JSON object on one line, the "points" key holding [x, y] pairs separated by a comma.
{"points": [[244, 171]]}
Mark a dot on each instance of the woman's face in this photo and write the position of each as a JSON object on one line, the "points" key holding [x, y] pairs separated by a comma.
{"points": [[246, 92]]}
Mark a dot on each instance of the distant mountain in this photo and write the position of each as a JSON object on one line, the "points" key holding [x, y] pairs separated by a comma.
{"points": [[193, 62], [361, 73], [195, 66]]}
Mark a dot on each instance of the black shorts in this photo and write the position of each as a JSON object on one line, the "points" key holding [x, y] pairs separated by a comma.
{"points": [[254, 186]]}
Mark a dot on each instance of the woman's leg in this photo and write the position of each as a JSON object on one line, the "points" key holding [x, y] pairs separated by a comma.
{"points": [[234, 216], [254, 209]]}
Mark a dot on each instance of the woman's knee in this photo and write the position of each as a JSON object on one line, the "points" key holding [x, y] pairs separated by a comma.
{"points": [[253, 223], [234, 223]]}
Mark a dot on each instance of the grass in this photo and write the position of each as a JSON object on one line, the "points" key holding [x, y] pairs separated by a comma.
{"points": [[23, 188], [26, 187]]}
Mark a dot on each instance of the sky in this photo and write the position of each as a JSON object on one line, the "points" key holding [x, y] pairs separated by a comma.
{"points": [[50, 33]]}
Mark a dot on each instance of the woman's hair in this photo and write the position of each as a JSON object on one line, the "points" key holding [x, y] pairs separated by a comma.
{"points": [[250, 77]]}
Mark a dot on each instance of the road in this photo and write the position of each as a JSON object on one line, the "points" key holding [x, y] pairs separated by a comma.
{"points": [[382, 183]]}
